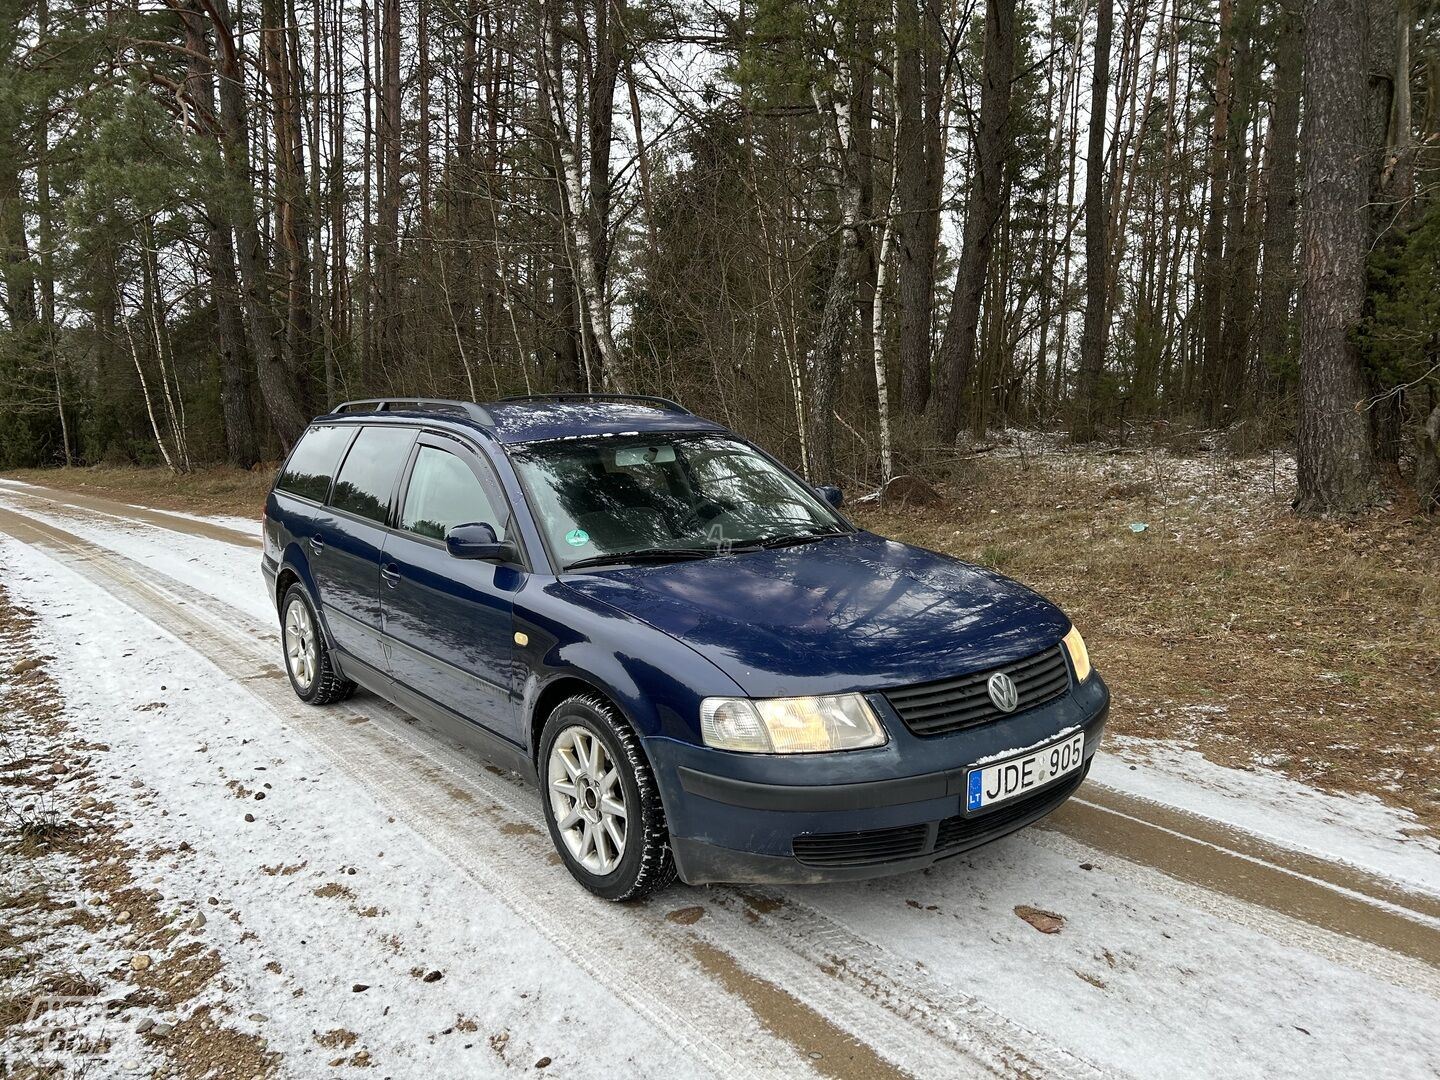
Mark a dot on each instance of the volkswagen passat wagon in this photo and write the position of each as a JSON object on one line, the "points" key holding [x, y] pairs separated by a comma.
{"points": [[707, 670]]}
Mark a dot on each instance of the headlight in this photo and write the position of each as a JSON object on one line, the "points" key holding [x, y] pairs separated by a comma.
{"points": [[1079, 655], [801, 725]]}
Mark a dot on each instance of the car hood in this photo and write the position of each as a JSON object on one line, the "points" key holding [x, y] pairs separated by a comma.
{"points": [[853, 612]]}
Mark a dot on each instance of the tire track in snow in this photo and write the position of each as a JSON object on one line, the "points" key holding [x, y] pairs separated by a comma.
{"points": [[871, 996], [123, 511]]}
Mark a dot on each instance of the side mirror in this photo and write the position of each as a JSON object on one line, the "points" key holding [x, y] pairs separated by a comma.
{"points": [[477, 540], [831, 494]]}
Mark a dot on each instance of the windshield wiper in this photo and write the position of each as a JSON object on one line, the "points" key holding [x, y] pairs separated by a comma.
{"points": [[644, 555], [791, 539]]}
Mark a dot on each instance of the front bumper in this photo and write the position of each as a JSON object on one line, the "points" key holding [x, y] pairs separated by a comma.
{"points": [[754, 828]]}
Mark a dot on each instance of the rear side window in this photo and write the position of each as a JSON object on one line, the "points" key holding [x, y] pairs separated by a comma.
{"points": [[368, 475], [444, 493], [313, 462]]}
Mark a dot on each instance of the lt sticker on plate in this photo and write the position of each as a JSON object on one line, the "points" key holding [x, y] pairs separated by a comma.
{"points": [[577, 538]]}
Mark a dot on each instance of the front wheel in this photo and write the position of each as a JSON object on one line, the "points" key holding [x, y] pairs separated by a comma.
{"points": [[307, 658], [601, 802]]}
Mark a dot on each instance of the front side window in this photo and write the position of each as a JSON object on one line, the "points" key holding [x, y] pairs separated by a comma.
{"points": [[313, 462], [681, 495], [444, 492], [368, 476]]}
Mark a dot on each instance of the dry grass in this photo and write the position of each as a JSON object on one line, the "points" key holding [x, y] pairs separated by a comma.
{"points": [[215, 490], [1229, 624]]}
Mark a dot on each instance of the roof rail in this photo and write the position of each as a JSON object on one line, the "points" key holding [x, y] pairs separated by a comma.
{"points": [[645, 399], [467, 409]]}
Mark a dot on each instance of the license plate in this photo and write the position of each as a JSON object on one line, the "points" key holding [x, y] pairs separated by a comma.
{"points": [[1012, 778]]}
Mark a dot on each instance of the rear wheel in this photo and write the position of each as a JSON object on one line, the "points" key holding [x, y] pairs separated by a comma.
{"points": [[307, 659], [601, 802]]}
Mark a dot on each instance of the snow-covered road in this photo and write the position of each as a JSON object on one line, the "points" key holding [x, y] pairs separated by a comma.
{"points": [[1214, 922]]}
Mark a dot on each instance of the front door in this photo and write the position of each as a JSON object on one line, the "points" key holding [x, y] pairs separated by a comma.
{"points": [[448, 621]]}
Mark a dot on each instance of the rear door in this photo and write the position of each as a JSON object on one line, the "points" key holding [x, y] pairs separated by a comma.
{"points": [[346, 560], [297, 511], [448, 621]]}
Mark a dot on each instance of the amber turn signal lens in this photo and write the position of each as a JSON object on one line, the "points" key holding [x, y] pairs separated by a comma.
{"points": [[1079, 655]]}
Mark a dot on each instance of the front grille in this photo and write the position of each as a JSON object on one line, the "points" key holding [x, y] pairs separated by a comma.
{"points": [[862, 848], [939, 708], [953, 835]]}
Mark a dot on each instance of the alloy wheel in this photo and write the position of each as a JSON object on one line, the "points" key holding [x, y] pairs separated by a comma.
{"points": [[587, 799], [301, 650]]}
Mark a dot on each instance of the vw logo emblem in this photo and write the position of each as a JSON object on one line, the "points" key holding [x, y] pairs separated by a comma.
{"points": [[1003, 692]]}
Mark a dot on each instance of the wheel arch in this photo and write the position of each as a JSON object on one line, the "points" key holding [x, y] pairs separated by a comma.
{"points": [[562, 688], [283, 580], [294, 570]]}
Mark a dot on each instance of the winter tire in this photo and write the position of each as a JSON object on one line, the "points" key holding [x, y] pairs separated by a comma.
{"points": [[601, 801], [307, 658]]}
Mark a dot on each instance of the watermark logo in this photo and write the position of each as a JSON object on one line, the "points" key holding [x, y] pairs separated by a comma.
{"points": [[716, 538], [61, 1029]]}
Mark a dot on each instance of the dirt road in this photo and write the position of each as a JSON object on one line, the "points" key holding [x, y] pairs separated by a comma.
{"points": [[931, 975]]}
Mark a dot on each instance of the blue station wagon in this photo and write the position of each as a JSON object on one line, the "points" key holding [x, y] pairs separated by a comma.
{"points": [[706, 669]]}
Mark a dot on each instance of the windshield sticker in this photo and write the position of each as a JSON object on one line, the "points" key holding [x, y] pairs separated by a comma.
{"points": [[577, 538]]}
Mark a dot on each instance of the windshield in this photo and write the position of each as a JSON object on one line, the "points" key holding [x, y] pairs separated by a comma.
{"points": [[664, 496]]}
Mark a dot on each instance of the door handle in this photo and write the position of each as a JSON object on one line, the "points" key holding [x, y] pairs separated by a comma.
{"points": [[317, 545], [391, 574]]}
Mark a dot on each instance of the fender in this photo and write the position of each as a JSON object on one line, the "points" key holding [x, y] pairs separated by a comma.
{"points": [[656, 680]]}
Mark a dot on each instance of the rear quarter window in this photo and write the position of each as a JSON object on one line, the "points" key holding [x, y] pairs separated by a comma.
{"points": [[313, 462]]}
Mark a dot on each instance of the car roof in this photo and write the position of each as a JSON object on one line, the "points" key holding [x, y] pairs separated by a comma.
{"points": [[541, 418], [534, 420]]}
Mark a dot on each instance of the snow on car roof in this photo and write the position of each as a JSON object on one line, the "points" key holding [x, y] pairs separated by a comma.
{"points": [[541, 420]]}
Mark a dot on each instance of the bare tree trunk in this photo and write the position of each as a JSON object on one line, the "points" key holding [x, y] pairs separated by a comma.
{"points": [[1211, 267], [839, 310], [274, 378], [576, 211], [877, 339], [1227, 389], [1334, 457], [145, 393], [917, 185], [341, 295], [45, 236], [987, 207], [291, 224], [155, 316], [240, 443], [602, 59], [1097, 241], [1399, 175], [368, 306], [318, 293], [1062, 338], [642, 161], [388, 233], [1277, 283], [422, 75], [1427, 460]]}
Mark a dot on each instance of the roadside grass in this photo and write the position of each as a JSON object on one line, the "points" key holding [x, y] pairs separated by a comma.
{"points": [[1226, 623], [217, 489]]}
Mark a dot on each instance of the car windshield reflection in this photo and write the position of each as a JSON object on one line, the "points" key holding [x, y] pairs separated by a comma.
{"points": [[610, 500]]}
